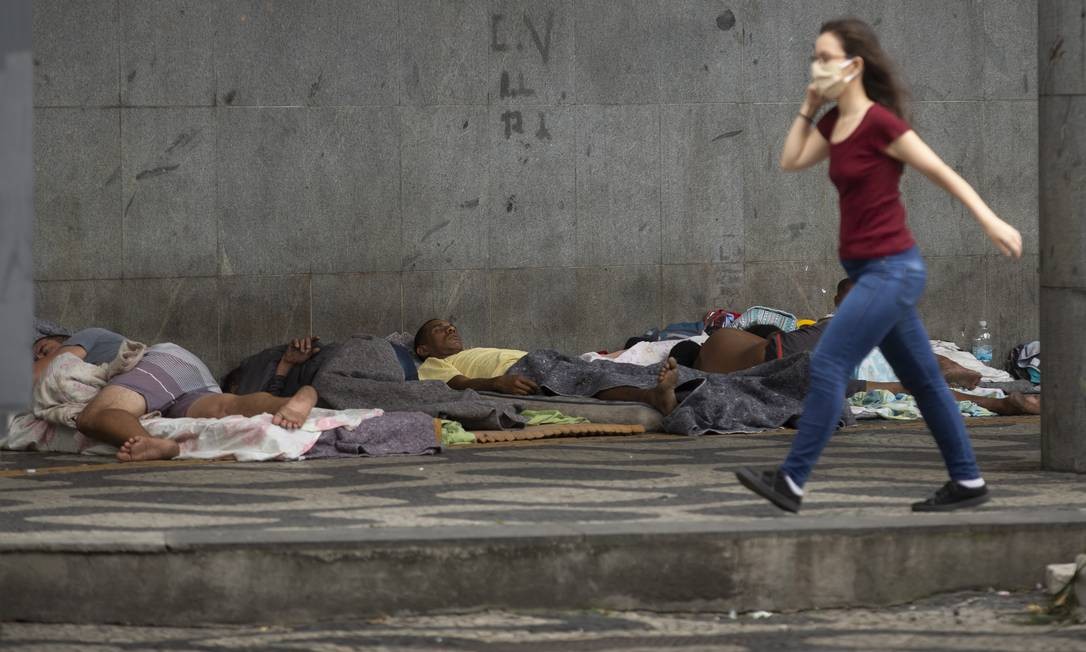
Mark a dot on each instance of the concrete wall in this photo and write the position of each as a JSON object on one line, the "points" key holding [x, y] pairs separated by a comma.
{"points": [[548, 173], [16, 205]]}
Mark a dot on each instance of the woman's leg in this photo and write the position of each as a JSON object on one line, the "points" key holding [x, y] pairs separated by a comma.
{"points": [[908, 351], [861, 322]]}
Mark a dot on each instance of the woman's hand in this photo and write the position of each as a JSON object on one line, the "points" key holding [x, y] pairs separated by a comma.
{"points": [[1006, 238], [804, 146], [812, 101]]}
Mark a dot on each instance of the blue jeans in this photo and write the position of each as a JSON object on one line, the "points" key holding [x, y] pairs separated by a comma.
{"points": [[880, 310]]}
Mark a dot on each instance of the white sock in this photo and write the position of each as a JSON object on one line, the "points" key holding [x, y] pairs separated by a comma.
{"points": [[794, 487], [976, 483]]}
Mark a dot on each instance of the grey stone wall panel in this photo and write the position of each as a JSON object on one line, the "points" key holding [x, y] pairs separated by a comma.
{"points": [[307, 53], [77, 194], [168, 170], [687, 292], [704, 146], [618, 185], [345, 304], [352, 176], [444, 51], [184, 311], [76, 53], [444, 153], [530, 57], [260, 311], [533, 309], [701, 58], [1010, 39], [530, 216], [788, 215], [1063, 189], [258, 62], [167, 52], [618, 53], [938, 44], [460, 296], [82, 304], [260, 194], [353, 53], [623, 301], [1061, 50]]}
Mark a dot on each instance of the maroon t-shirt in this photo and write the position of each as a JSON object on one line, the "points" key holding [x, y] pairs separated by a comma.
{"points": [[867, 178]]}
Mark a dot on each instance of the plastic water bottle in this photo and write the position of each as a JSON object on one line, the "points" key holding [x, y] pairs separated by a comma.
{"points": [[982, 343]]}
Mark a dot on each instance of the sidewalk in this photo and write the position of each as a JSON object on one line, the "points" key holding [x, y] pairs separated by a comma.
{"points": [[619, 522]]}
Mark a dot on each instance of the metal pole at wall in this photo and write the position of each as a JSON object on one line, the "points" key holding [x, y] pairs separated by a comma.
{"points": [[16, 205], [1062, 178]]}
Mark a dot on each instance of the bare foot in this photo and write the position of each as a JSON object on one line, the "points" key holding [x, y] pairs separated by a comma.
{"points": [[1024, 403], [956, 375], [295, 411], [663, 395], [139, 449]]}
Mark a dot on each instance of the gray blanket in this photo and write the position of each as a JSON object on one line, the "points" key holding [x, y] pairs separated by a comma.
{"points": [[767, 396], [364, 373], [394, 433]]}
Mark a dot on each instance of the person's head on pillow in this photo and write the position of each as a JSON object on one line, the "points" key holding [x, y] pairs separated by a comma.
{"points": [[48, 337], [437, 338]]}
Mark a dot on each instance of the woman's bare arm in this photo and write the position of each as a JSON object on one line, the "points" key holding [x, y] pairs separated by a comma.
{"points": [[804, 145], [910, 149]]}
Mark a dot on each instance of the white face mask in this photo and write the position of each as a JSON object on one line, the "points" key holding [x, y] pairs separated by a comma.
{"points": [[828, 78]]}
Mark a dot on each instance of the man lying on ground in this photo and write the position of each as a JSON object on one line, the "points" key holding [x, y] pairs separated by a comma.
{"points": [[279, 370], [168, 379], [439, 345], [729, 349]]}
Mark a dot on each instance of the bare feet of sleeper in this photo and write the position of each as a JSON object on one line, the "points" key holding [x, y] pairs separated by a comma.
{"points": [[956, 375], [140, 449], [1024, 403], [663, 395], [295, 411]]}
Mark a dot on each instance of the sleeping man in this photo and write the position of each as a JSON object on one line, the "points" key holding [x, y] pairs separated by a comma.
{"points": [[167, 379], [439, 345]]}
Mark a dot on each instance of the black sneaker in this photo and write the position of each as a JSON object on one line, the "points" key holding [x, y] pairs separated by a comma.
{"points": [[953, 496], [770, 485]]}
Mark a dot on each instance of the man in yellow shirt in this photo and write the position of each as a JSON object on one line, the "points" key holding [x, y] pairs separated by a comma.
{"points": [[444, 357]]}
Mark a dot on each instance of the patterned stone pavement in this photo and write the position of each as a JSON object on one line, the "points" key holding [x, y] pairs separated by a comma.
{"points": [[874, 469], [988, 622]]}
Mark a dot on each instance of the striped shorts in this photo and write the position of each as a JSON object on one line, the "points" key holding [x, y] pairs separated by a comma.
{"points": [[169, 379]]}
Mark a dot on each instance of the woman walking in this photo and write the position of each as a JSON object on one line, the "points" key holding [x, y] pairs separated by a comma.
{"points": [[868, 143]]}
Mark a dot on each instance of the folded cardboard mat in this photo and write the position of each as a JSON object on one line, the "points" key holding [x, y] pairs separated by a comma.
{"points": [[557, 430]]}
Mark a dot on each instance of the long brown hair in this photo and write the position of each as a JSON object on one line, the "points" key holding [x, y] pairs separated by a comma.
{"points": [[881, 80]]}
